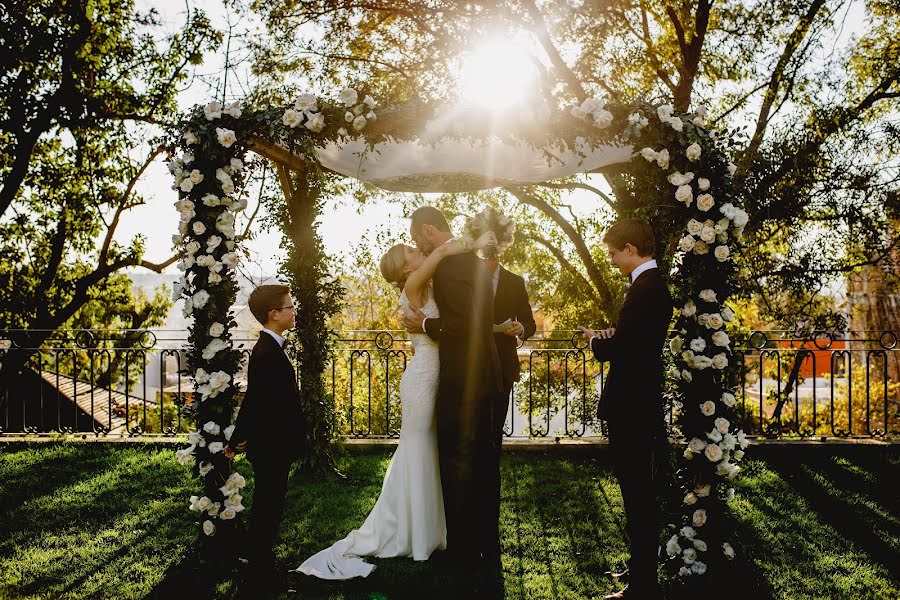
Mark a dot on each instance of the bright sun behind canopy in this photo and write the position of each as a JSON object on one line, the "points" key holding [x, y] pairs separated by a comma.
{"points": [[497, 74]]}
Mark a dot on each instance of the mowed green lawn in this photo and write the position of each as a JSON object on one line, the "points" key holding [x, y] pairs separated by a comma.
{"points": [[84, 520]]}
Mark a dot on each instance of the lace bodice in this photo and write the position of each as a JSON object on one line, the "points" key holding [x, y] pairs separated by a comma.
{"points": [[420, 341]]}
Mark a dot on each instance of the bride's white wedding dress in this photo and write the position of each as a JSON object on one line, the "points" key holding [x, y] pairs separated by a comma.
{"points": [[408, 517]]}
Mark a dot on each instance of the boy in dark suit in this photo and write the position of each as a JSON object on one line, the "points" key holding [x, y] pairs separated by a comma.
{"points": [[631, 401], [271, 426]]}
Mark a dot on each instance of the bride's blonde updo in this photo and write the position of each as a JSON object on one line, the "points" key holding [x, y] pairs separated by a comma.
{"points": [[393, 264]]}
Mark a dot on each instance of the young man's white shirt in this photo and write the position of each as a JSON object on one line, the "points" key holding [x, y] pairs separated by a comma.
{"points": [[646, 266]]}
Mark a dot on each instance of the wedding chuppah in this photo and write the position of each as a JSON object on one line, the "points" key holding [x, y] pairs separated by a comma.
{"points": [[673, 175]]}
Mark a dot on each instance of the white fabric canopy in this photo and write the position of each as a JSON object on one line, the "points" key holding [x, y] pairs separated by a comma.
{"points": [[462, 165]]}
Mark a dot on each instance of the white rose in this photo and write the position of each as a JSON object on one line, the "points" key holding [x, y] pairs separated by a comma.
{"points": [[603, 119], [210, 200], [698, 344], [708, 234], [690, 498], [715, 321], [689, 555], [204, 503], [306, 102], [195, 438], [193, 501], [226, 137], [192, 247], [237, 164], [664, 112], [699, 517], [186, 185], [720, 338], [214, 509], [686, 244], [206, 260], [705, 202], [703, 184], [742, 439], [349, 116], [678, 178], [722, 425], [703, 490], [234, 109], [348, 97], [703, 319], [688, 532], [662, 159], [213, 242], [708, 295], [205, 468], [686, 375], [209, 528], [315, 122], [188, 157], [672, 547], [371, 115], [697, 445], [184, 455], [728, 314], [698, 568], [216, 329], [732, 168], [688, 454], [359, 122], [693, 151], [701, 248], [688, 357], [230, 260], [215, 346], [215, 447], [676, 123], [708, 408], [721, 253], [714, 435], [694, 227], [200, 299], [728, 399], [212, 428], [690, 309], [720, 361], [684, 572], [700, 545], [740, 218], [214, 278], [291, 118], [201, 376], [684, 194], [591, 105], [198, 228], [228, 431], [190, 138], [227, 514], [738, 455], [676, 344], [698, 121], [213, 110], [713, 452], [728, 442], [342, 131], [578, 112], [729, 495], [369, 101], [649, 154], [728, 551]]}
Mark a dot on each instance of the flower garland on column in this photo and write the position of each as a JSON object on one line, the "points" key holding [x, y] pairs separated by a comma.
{"points": [[699, 180], [209, 173]]}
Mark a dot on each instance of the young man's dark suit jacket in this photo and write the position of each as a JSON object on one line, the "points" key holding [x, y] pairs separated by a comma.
{"points": [[274, 427], [510, 302], [631, 403], [467, 392]]}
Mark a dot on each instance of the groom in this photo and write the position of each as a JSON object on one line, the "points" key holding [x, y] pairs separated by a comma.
{"points": [[631, 401], [467, 392]]}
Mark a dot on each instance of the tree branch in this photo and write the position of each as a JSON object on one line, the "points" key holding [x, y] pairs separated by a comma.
{"points": [[580, 186], [556, 60]]}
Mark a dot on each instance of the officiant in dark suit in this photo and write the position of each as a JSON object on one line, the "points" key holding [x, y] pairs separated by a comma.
{"points": [[510, 305]]}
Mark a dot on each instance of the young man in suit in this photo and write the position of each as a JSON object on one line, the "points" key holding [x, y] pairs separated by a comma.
{"points": [[270, 425], [510, 303], [631, 401]]}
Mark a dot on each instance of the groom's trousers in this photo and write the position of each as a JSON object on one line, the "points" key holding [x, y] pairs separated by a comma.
{"points": [[269, 491], [632, 447]]}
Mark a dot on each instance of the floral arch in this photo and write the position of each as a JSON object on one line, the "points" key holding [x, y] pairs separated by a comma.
{"points": [[675, 167]]}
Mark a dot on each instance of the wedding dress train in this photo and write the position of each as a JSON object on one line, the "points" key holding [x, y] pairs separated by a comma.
{"points": [[408, 517]]}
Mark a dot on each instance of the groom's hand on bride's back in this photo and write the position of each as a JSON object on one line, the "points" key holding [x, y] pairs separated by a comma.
{"points": [[413, 322]]}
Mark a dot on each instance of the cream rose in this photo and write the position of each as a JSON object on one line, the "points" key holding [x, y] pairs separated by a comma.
{"points": [[684, 194], [699, 518], [708, 408], [713, 452], [721, 253], [705, 202], [708, 295], [693, 151], [701, 248]]}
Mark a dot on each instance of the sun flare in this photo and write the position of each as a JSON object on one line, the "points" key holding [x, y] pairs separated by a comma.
{"points": [[497, 74]]}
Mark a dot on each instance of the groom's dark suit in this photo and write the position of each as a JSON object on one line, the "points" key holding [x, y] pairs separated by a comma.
{"points": [[467, 393], [274, 427], [631, 403]]}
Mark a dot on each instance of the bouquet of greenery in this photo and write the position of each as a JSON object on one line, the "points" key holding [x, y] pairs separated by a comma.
{"points": [[491, 219]]}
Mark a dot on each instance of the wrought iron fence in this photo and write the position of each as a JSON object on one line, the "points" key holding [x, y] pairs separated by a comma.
{"points": [[127, 383]]}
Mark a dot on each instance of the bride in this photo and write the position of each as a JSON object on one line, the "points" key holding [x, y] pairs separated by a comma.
{"points": [[408, 517]]}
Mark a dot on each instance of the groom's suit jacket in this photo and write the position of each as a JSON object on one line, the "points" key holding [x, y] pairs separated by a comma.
{"points": [[270, 419], [470, 367], [633, 387]]}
